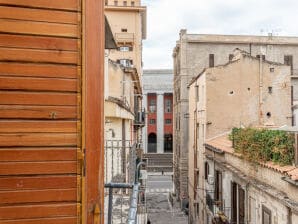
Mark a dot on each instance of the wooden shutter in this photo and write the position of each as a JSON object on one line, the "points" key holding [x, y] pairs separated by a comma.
{"points": [[40, 111]]}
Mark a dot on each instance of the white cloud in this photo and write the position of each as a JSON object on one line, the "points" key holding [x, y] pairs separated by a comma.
{"points": [[166, 17]]}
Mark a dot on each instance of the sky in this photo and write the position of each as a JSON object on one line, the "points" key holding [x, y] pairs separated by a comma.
{"points": [[165, 18]]}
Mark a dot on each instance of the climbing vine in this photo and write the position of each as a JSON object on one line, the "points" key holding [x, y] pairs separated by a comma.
{"points": [[263, 145]]}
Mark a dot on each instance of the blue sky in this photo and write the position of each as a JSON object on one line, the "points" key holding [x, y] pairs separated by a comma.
{"points": [[165, 18]]}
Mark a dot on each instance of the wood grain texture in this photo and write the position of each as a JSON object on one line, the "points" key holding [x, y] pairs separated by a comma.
{"points": [[39, 70], [38, 154], [38, 182], [26, 168], [38, 42], [42, 84], [39, 56], [43, 98], [73, 5], [38, 211], [31, 196], [58, 220], [16, 126], [38, 139], [38, 28], [53, 16], [38, 112]]}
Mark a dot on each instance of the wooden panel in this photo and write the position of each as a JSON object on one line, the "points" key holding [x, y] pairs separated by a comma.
{"points": [[43, 15], [30, 196], [45, 56], [38, 154], [38, 139], [65, 4], [38, 126], [58, 220], [37, 211], [45, 84], [38, 28], [38, 112], [38, 182], [21, 168], [38, 70], [37, 42], [27, 98]]}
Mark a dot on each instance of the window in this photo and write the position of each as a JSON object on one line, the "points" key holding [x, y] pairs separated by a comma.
{"points": [[288, 60], [266, 215], [124, 48], [125, 3], [124, 30], [132, 3], [125, 62], [218, 188], [106, 2], [206, 170], [211, 60], [168, 106], [231, 57], [198, 93], [115, 2], [263, 57], [151, 121], [168, 121], [270, 89], [271, 69], [152, 106], [237, 203]]}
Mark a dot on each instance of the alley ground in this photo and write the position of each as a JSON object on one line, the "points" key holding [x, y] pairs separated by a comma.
{"points": [[159, 208]]}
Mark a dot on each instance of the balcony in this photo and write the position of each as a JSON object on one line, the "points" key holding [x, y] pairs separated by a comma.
{"points": [[124, 38]]}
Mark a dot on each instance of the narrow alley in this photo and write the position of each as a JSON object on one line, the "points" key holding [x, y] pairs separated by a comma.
{"points": [[159, 207]]}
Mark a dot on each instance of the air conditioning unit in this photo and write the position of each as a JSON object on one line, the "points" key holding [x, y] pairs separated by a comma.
{"points": [[210, 179]]}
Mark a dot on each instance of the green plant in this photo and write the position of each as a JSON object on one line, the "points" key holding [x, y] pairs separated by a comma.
{"points": [[263, 145]]}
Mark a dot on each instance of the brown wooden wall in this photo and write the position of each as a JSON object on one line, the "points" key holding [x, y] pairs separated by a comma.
{"points": [[40, 111]]}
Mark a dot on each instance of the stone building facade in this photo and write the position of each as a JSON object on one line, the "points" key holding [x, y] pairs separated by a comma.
{"points": [[158, 101], [193, 53], [245, 92]]}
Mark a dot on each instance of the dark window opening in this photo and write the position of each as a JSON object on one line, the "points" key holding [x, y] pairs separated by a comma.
{"points": [[263, 57], [211, 60], [168, 106], [271, 69], [206, 170], [125, 3], [124, 30], [115, 2], [231, 57], [132, 3], [231, 92], [268, 115], [168, 143], [266, 215], [152, 106], [288, 60], [152, 140], [168, 121], [270, 89], [151, 121], [218, 189]]}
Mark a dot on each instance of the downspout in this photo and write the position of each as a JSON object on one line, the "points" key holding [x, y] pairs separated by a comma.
{"points": [[246, 203], [261, 91]]}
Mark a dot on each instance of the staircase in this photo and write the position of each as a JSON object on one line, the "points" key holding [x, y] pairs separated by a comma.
{"points": [[158, 162]]}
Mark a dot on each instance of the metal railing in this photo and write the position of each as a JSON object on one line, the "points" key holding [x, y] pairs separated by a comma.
{"points": [[121, 183]]}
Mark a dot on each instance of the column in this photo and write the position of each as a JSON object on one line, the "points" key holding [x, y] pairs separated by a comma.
{"points": [[160, 122], [145, 134]]}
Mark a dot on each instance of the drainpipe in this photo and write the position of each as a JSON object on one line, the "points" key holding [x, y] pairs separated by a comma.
{"points": [[260, 90]]}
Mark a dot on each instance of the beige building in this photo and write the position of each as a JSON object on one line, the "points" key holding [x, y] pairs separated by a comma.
{"points": [[245, 92], [245, 192], [124, 116], [193, 53]]}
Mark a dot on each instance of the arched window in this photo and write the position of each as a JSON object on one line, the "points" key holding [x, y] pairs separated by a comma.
{"points": [[152, 140]]}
